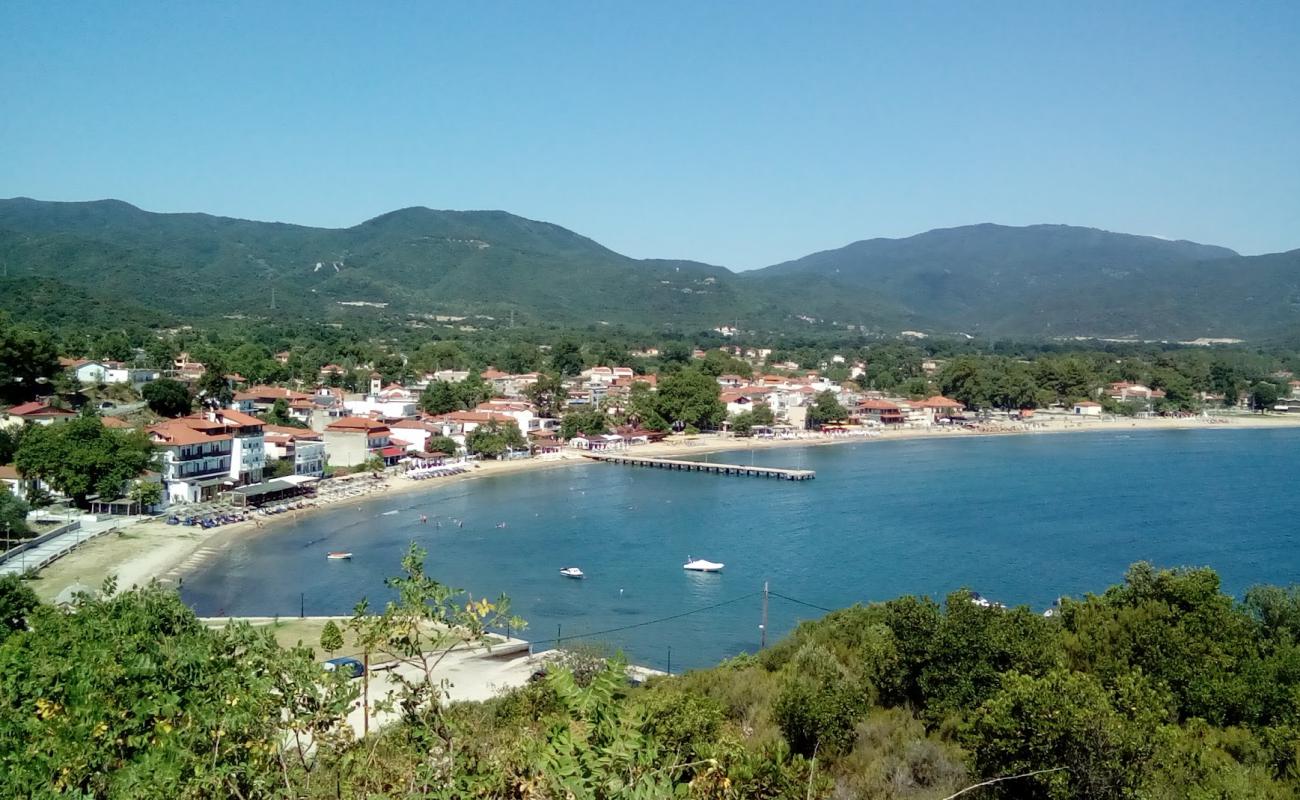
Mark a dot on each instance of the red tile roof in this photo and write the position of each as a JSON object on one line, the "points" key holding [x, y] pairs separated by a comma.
{"points": [[357, 425], [37, 409]]}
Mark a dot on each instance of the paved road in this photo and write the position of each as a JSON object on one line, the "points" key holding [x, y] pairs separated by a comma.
{"points": [[59, 546]]}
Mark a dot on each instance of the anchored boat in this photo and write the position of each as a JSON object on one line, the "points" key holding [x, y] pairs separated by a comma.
{"points": [[572, 572], [339, 556], [702, 565]]}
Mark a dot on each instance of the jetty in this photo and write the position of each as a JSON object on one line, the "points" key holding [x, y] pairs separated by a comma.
{"points": [[706, 466]]}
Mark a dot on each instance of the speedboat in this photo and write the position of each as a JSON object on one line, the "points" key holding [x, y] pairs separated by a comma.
{"points": [[339, 556], [702, 565], [572, 572]]}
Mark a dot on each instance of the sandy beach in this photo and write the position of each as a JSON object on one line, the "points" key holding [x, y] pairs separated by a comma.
{"points": [[155, 550]]}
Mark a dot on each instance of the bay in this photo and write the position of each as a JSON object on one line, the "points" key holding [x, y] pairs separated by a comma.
{"points": [[1021, 519]]}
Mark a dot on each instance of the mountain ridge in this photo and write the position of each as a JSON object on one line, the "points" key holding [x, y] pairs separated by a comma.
{"points": [[1048, 279]]}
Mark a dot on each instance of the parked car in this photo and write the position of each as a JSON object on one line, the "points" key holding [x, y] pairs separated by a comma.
{"points": [[346, 663]]}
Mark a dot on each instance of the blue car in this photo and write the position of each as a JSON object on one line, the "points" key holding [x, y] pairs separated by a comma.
{"points": [[348, 664]]}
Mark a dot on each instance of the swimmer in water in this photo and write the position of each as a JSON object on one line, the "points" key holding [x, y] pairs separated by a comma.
{"points": [[423, 519]]}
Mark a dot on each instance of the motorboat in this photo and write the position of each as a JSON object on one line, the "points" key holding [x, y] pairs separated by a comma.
{"points": [[572, 572], [702, 565], [337, 555]]}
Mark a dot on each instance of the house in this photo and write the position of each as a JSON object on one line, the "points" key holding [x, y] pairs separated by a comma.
{"points": [[248, 454], [305, 448], [1123, 391], [351, 441], [260, 399], [731, 381], [185, 370], [10, 479], [939, 407], [1087, 408], [195, 463], [91, 373], [880, 411], [39, 413]]}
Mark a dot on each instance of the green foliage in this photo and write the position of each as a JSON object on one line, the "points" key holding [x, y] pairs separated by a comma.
{"points": [[690, 397], [132, 697], [168, 398], [279, 415], [27, 360], [547, 394], [146, 494], [494, 439], [819, 702], [1264, 395], [826, 408], [441, 444], [331, 637], [566, 358], [17, 601], [10, 436], [1098, 741], [440, 397], [81, 457], [13, 514], [590, 422]]}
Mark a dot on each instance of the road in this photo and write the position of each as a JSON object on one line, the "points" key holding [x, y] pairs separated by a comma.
{"points": [[45, 552]]}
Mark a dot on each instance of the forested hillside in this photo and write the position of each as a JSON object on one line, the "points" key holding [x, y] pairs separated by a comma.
{"points": [[412, 264]]}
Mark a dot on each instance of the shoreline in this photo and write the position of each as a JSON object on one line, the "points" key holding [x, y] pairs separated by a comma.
{"points": [[154, 550]]}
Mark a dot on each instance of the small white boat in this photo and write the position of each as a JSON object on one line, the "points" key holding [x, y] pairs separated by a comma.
{"points": [[572, 572], [702, 565], [339, 556]]}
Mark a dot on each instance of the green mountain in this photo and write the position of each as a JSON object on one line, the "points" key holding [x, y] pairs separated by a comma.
{"points": [[1040, 280]]}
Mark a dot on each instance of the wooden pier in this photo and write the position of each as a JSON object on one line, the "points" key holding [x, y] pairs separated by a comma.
{"points": [[705, 466]]}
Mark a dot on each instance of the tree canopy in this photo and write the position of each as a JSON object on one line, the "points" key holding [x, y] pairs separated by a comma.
{"points": [[81, 457], [167, 398]]}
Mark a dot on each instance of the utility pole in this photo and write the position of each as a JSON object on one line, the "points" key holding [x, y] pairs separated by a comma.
{"points": [[762, 641]]}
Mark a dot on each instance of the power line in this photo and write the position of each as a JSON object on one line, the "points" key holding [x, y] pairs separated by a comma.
{"points": [[802, 603], [559, 639]]}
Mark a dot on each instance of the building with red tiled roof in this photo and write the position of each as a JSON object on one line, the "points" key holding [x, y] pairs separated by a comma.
{"points": [[350, 441], [195, 462], [38, 412], [882, 411]]}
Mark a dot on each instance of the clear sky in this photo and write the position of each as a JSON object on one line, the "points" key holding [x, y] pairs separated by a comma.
{"points": [[741, 134]]}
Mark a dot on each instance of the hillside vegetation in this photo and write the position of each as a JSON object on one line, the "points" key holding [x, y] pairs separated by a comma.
{"points": [[1161, 687], [1041, 280]]}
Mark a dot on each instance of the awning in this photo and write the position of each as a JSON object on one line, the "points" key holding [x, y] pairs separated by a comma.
{"points": [[392, 452], [299, 480], [270, 487]]}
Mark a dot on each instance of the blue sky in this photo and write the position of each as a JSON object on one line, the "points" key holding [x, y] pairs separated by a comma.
{"points": [[741, 134]]}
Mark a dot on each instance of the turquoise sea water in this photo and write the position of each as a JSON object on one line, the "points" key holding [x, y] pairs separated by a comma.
{"points": [[1020, 519]]}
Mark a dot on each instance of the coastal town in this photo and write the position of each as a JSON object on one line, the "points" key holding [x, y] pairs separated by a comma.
{"points": [[221, 449]]}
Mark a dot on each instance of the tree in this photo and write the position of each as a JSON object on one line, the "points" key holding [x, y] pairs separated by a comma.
{"points": [[675, 356], [279, 415], [643, 407], [495, 438], [1263, 396], [742, 424], [763, 414], [10, 437], [441, 444], [566, 358], [331, 638], [146, 494], [473, 390], [13, 515], [690, 398], [81, 457], [213, 387], [440, 397], [825, 408], [16, 601], [27, 359], [518, 358], [167, 398], [591, 422], [547, 394], [132, 696]]}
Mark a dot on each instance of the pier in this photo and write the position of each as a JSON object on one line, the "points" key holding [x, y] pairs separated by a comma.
{"points": [[705, 466]]}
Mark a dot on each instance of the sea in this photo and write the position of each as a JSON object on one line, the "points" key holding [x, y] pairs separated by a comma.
{"points": [[1019, 519]]}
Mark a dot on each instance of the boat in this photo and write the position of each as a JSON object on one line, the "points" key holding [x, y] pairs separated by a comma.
{"points": [[572, 572], [339, 556], [702, 565]]}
